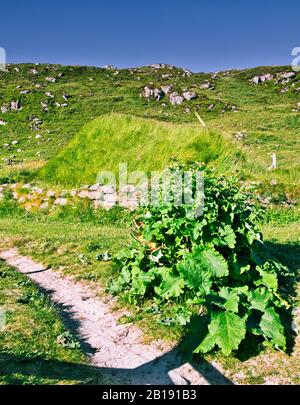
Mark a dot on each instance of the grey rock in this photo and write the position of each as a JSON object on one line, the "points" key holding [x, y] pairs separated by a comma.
{"points": [[95, 187], [147, 92], [108, 189], [61, 201], [287, 75], [176, 99], [166, 89], [240, 136], [158, 94], [37, 190], [207, 86], [4, 109], [83, 194], [110, 198], [51, 79], [262, 78], [50, 194], [96, 195], [189, 95], [158, 66], [15, 105], [44, 206]]}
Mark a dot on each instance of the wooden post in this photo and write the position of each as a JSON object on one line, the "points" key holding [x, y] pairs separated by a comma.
{"points": [[200, 120]]}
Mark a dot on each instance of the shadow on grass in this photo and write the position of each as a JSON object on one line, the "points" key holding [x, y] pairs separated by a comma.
{"points": [[289, 255], [17, 370]]}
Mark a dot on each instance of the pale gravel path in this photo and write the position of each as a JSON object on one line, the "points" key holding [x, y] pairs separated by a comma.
{"points": [[117, 350]]}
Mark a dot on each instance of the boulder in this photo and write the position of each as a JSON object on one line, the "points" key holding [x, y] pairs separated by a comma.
{"points": [[95, 187], [110, 198], [61, 201], [175, 98], [15, 105], [207, 86], [158, 66], [108, 189], [83, 194], [240, 136], [51, 79], [50, 194], [147, 92], [158, 94], [262, 78], [4, 108], [166, 89], [287, 75], [37, 190], [96, 195], [189, 95], [44, 205]]}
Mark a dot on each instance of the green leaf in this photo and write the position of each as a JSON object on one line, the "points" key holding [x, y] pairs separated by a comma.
{"points": [[231, 299], [207, 344], [209, 260], [227, 236], [228, 330], [259, 299], [170, 287], [214, 262], [267, 279], [272, 328], [140, 281]]}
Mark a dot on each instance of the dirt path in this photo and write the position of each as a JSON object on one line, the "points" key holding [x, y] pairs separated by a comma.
{"points": [[116, 350]]}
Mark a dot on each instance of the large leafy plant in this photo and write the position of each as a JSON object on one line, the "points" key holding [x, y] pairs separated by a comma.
{"points": [[215, 262]]}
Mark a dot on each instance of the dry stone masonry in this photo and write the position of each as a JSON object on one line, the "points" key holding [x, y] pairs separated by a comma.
{"points": [[99, 196]]}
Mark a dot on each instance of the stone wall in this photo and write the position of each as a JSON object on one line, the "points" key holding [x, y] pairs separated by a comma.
{"points": [[100, 196]]}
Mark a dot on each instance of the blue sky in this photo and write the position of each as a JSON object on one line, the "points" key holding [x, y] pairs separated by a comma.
{"points": [[199, 35]]}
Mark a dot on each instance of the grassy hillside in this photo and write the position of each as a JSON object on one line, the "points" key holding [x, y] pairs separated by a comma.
{"points": [[52, 113], [143, 144]]}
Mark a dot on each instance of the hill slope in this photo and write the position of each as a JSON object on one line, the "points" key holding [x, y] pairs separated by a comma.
{"points": [[227, 100], [143, 144], [54, 102]]}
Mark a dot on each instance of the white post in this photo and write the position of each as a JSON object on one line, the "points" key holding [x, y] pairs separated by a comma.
{"points": [[274, 161]]}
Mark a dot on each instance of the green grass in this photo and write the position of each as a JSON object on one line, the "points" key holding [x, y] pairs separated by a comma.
{"points": [[145, 145], [264, 113], [30, 352]]}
